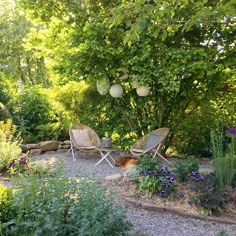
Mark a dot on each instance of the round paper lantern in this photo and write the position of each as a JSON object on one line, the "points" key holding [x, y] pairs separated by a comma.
{"points": [[143, 91], [116, 91]]}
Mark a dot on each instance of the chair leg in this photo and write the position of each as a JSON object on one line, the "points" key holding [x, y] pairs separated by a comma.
{"points": [[68, 151], [73, 154], [159, 154], [72, 151]]}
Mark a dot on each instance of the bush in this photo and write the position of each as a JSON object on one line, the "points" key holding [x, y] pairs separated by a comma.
{"points": [[9, 146], [6, 202], [32, 109], [183, 168], [147, 163], [56, 206]]}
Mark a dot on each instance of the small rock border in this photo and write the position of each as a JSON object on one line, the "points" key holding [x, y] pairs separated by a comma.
{"points": [[51, 146]]}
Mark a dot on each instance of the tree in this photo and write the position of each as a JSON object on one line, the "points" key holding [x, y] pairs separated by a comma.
{"points": [[18, 64], [182, 49]]}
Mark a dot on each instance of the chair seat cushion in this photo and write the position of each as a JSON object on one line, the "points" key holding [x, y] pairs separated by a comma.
{"points": [[81, 137]]}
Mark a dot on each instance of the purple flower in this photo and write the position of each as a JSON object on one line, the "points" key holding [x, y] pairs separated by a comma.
{"points": [[194, 173], [201, 178], [170, 179], [232, 131]]}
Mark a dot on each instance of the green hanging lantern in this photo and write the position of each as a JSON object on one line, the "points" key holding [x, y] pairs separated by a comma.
{"points": [[103, 84]]}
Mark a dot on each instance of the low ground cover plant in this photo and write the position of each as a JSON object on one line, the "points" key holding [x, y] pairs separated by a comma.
{"points": [[61, 206]]}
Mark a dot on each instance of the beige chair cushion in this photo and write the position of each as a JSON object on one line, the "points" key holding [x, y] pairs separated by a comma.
{"points": [[82, 137]]}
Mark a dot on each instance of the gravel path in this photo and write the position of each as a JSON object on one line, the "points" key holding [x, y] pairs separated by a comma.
{"points": [[146, 222]]}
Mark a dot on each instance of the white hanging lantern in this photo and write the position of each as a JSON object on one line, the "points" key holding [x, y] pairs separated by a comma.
{"points": [[116, 91], [143, 90]]}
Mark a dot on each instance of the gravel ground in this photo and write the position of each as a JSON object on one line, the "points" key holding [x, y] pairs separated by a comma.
{"points": [[146, 222]]}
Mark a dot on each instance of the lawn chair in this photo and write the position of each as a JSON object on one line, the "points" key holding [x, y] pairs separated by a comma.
{"points": [[151, 142], [83, 138]]}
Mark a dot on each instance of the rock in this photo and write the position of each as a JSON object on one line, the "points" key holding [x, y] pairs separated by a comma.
{"points": [[60, 146], [131, 171], [66, 146], [49, 145], [113, 177], [27, 147], [67, 142], [37, 151]]}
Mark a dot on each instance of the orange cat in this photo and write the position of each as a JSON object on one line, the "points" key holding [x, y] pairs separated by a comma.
{"points": [[125, 162]]}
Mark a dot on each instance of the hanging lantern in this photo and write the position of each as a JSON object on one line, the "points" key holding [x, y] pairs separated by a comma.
{"points": [[116, 91], [143, 90]]}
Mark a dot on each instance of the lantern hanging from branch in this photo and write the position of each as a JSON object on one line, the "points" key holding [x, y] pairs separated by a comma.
{"points": [[143, 90], [116, 91]]}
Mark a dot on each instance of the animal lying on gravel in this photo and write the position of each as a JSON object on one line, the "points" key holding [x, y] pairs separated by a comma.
{"points": [[125, 162]]}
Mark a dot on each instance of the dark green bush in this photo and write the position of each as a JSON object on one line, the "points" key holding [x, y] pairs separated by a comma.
{"points": [[32, 109], [183, 168], [56, 206]]}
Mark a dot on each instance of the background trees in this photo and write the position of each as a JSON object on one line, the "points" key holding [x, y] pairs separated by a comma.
{"points": [[181, 49]]}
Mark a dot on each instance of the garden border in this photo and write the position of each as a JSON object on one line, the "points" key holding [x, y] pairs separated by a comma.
{"points": [[152, 207]]}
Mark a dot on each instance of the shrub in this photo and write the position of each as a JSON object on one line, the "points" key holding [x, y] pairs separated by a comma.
{"points": [[56, 206], [9, 146], [147, 163], [32, 109], [183, 168], [6, 201]]}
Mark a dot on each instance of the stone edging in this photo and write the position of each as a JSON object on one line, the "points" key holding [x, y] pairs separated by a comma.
{"points": [[152, 207], [50, 146]]}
